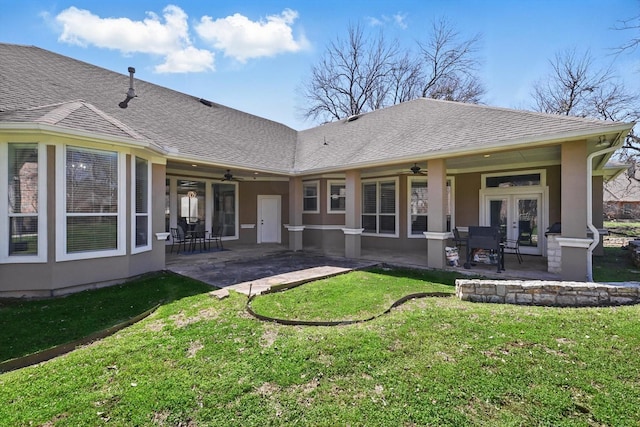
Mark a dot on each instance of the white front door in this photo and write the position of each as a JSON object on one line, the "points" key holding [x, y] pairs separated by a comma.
{"points": [[269, 219], [519, 217]]}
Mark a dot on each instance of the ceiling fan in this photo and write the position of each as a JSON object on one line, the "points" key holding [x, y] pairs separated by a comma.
{"points": [[228, 176], [417, 170]]}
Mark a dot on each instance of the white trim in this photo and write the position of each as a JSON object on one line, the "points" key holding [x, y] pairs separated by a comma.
{"points": [[293, 227], [41, 256], [315, 184], [329, 184], [133, 189], [352, 231], [247, 226], [61, 208], [574, 242], [162, 236], [325, 227], [437, 235]]}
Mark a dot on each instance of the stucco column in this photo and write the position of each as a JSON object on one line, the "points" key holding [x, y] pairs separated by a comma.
{"points": [[573, 242], [295, 226], [436, 233], [353, 215]]}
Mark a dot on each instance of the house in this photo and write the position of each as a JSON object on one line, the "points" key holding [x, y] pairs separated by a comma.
{"points": [[622, 195], [94, 188]]}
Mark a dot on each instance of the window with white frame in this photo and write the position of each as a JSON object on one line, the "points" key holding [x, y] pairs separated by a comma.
{"points": [[336, 197], [24, 220], [93, 205], [141, 222], [419, 207], [380, 207], [310, 197]]}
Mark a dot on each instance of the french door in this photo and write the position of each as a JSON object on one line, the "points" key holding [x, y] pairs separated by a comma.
{"points": [[519, 216]]}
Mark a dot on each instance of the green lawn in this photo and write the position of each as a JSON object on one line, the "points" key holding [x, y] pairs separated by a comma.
{"points": [[431, 361]]}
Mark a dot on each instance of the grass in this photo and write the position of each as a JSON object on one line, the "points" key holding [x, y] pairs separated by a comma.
{"points": [[623, 228], [28, 326], [432, 361], [356, 296]]}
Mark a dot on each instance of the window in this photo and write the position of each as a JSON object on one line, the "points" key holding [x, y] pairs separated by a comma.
{"points": [[141, 201], [225, 209], [336, 197], [379, 207], [91, 203], [24, 220], [310, 197], [191, 203], [419, 207], [501, 181]]}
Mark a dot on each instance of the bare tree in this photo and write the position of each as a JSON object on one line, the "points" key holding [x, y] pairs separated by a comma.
{"points": [[571, 86], [575, 87], [350, 77], [364, 73], [632, 24], [450, 65]]}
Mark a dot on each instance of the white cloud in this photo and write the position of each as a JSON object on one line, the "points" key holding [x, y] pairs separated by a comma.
{"points": [[187, 60], [169, 39], [398, 19], [242, 39]]}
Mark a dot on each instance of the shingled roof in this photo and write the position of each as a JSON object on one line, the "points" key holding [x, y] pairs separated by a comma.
{"points": [[32, 78], [428, 128], [36, 83]]}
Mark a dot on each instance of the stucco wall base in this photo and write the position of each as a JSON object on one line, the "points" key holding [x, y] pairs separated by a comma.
{"points": [[548, 293]]}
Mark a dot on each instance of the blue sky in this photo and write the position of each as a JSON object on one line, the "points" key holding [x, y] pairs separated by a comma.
{"points": [[255, 55]]}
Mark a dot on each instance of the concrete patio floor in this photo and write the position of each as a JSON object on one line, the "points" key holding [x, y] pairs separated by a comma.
{"points": [[253, 269]]}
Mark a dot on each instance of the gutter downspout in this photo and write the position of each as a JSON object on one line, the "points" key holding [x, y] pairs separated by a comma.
{"points": [[594, 230]]}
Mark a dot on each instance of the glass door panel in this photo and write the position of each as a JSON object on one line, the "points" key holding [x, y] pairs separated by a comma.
{"points": [[517, 217], [498, 214], [528, 233]]}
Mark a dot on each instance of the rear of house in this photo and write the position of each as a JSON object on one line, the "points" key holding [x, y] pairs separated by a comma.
{"points": [[94, 189]]}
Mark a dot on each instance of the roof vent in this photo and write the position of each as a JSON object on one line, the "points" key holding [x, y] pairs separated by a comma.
{"points": [[206, 102], [353, 118], [131, 93]]}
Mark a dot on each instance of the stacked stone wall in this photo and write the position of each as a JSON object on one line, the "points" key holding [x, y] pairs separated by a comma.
{"points": [[547, 293]]}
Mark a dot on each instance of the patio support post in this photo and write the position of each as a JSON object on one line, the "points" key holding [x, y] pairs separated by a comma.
{"points": [[436, 233], [574, 243], [295, 227], [352, 217]]}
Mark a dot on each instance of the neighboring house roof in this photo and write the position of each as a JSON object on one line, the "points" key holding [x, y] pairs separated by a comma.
{"points": [[622, 189], [33, 79]]}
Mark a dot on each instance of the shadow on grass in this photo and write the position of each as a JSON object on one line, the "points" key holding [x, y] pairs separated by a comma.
{"points": [[31, 326]]}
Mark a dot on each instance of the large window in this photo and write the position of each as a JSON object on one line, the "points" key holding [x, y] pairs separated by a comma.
{"points": [[224, 209], [310, 197], [336, 196], [92, 192], [379, 207], [419, 207], [24, 221], [141, 222]]}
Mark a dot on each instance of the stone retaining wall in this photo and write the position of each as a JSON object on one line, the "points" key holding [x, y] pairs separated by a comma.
{"points": [[547, 293]]}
